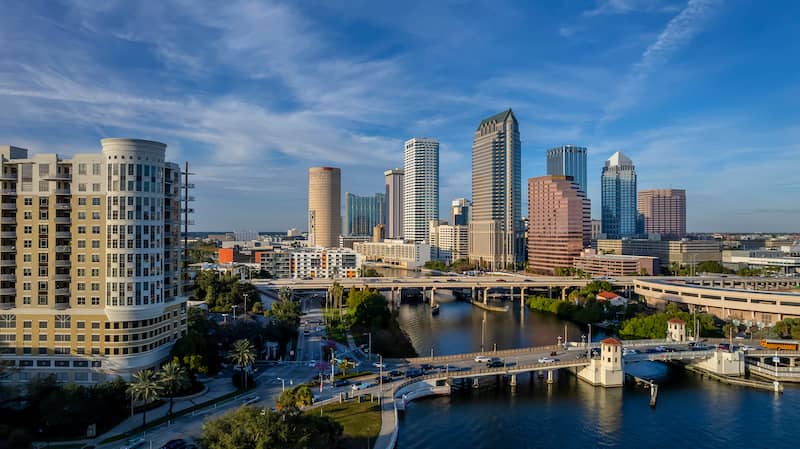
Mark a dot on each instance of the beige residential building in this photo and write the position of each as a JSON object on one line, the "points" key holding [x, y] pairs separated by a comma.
{"points": [[324, 206], [496, 233], [595, 264], [90, 265], [395, 252], [663, 212], [448, 242]]}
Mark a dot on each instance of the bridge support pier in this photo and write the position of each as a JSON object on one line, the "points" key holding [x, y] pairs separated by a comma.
{"points": [[475, 383], [433, 296], [486, 295], [513, 380], [550, 377]]}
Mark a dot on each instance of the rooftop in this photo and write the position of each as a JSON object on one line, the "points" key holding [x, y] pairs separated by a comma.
{"points": [[501, 117]]}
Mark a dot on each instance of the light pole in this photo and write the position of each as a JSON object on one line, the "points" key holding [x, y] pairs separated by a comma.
{"points": [[283, 384], [380, 374], [234, 310], [245, 302], [589, 343], [483, 332]]}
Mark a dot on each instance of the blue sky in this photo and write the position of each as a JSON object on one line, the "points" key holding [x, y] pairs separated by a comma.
{"points": [[702, 95]]}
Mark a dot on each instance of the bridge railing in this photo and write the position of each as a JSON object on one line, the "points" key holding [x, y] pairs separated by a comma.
{"points": [[770, 368], [498, 353]]}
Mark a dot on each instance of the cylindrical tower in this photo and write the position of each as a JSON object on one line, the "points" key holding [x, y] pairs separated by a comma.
{"points": [[324, 206], [134, 220]]}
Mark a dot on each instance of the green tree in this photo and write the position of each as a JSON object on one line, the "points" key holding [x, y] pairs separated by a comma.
{"points": [[243, 354], [145, 387], [197, 350], [173, 379], [367, 308], [436, 265], [297, 397]]}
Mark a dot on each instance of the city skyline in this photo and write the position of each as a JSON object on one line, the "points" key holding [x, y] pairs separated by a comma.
{"points": [[242, 105]]}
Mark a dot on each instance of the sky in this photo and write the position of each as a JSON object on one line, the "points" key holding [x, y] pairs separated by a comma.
{"points": [[700, 94]]}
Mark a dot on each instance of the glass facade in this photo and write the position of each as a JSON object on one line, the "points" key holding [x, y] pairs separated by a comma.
{"points": [[568, 160], [363, 213], [618, 184]]}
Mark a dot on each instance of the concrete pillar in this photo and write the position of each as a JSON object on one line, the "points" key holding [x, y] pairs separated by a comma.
{"points": [[433, 296], [486, 295], [563, 293], [550, 378], [792, 362], [473, 294], [475, 382], [513, 380]]}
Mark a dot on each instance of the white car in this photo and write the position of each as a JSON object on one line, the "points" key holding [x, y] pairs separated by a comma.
{"points": [[379, 365], [748, 348], [134, 443], [312, 363], [361, 386], [627, 351], [546, 360], [661, 348], [482, 358], [252, 399]]}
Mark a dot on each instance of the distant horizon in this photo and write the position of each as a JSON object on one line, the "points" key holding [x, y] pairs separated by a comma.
{"points": [[688, 232]]}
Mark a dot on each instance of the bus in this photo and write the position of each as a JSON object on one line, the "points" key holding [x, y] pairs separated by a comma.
{"points": [[781, 345]]}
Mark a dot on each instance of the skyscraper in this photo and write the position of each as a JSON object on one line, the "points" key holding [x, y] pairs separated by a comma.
{"points": [[420, 187], [70, 269], [495, 229], [664, 212], [618, 183], [363, 213], [568, 160], [394, 203], [559, 223], [324, 206], [460, 211]]}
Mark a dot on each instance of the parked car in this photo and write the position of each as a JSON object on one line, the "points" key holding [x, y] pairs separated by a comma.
{"points": [[341, 383], [660, 348], [482, 358], [724, 347]]}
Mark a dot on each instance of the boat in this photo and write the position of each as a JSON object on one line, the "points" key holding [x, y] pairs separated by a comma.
{"points": [[435, 309]]}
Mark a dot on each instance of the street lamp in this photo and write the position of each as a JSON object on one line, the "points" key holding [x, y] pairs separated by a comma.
{"points": [[283, 384], [483, 332], [234, 310], [245, 302]]}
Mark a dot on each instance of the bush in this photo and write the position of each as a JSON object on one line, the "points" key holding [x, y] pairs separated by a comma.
{"points": [[239, 377]]}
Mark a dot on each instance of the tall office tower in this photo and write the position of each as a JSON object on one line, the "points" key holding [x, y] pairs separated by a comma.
{"points": [[559, 223], [394, 203], [568, 160], [420, 187], [460, 212], [664, 212], [363, 213], [324, 206], [618, 183], [496, 233], [90, 262]]}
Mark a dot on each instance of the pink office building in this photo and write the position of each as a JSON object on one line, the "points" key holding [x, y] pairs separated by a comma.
{"points": [[559, 223], [664, 212]]}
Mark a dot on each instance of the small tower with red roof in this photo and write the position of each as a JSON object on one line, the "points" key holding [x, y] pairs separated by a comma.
{"points": [[676, 330]]}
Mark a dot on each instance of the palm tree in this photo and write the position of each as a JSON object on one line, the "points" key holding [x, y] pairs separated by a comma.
{"points": [[243, 354], [173, 379], [144, 387]]}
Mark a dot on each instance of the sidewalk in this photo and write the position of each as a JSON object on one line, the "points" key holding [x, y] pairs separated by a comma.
{"points": [[387, 438], [216, 387]]}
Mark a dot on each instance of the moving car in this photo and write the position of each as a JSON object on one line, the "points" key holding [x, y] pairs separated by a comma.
{"points": [[174, 444], [413, 372], [361, 386], [251, 399], [395, 373], [482, 358], [134, 443], [495, 363], [546, 360], [379, 365], [341, 383]]}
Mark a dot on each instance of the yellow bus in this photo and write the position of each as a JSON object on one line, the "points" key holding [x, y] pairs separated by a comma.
{"points": [[781, 345]]}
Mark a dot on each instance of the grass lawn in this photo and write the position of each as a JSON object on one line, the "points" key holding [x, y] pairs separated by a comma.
{"points": [[361, 422]]}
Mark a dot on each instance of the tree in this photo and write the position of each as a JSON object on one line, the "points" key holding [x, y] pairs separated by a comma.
{"points": [[145, 388], [367, 308], [296, 397], [285, 294], [243, 354], [436, 265], [173, 379], [197, 350]]}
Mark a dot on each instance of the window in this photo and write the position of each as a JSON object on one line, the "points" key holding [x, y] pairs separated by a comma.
{"points": [[63, 321], [95, 337], [81, 324], [95, 300], [81, 229], [82, 201], [95, 187], [44, 186], [95, 325], [27, 229], [81, 300], [28, 201], [42, 337], [8, 321], [27, 258], [81, 187], [96, 169], [95, 201], [26, 300], [27, 324], [81, 169], [28, 215], [43, 214], [96, 244]]}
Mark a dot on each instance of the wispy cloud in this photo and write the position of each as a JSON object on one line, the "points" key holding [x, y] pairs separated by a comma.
{"points": [[605, 7]]}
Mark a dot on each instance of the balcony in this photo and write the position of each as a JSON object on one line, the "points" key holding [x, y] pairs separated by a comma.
{"points": [[63, 234], [8, 176], [63, 249], [8, 249], [8, 305], [61, 305], [61, 291], [8, 263], [62, 220], [62, 191], [8, 234], [8, 220], [62, 263], [8, 277], [63, 206], [9, 191], [8, 206], [8, 291], [58, 176], [62, 277]]}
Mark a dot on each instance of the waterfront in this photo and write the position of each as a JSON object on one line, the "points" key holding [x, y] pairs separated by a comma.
{"points": [[572, 414]]}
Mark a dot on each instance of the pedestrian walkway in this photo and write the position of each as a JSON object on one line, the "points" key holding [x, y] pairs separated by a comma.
{"points": [[387, 438]]}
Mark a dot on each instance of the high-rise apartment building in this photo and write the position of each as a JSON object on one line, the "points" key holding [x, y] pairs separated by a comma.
{"points": [[324, 206], [448, 242], [663, 212], [420, 187], [496, 232], [559, 223], [460, 211], [363, 213], [90, 262], [618, 183], [394, 203], [568, 160]]}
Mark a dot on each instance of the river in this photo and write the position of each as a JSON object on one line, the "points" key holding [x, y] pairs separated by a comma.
{"points": [[691, 412]]}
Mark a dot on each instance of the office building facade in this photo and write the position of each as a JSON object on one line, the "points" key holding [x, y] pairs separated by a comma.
{"points": [[496, 232], [448, 242], [593, 264], [324, 206], [90, 262], [568, 160], [394, 203], [559, 223], [618, 183], [663, 212], [363, 213], [420, 187], [460, 211], [410, 255], [680, 252]]}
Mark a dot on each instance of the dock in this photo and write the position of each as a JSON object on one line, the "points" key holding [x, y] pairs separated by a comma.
{"points": [[739, 382], [489, 307]]}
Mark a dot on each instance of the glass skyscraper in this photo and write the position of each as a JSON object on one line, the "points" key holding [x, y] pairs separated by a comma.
{"points": [[363, 213], [618, 184], [568, 160]]}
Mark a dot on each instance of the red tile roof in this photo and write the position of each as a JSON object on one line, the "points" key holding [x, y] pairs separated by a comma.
{"points": [[608, 295], [611, 341], [676, 321]]}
